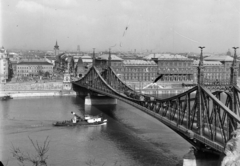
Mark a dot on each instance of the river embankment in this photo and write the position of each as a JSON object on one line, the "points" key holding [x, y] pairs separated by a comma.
{"points": [[32, 89], [18, 94]]}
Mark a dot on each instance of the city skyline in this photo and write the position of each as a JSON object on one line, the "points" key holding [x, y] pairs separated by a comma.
{"points": [[159, 26]]}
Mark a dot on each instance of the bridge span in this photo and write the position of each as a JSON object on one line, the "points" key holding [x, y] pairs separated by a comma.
{"points": [[205, 115]]}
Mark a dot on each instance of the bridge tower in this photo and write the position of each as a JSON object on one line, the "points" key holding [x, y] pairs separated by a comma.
{"points": [[233, 82], [109, 65], [200, 83], [234, 69]]}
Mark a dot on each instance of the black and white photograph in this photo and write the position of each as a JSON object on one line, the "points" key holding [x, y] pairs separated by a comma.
{"points": [[119, 83]]}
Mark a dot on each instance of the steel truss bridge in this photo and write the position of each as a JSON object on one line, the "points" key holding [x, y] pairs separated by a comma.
{"points": [[205, 115]]}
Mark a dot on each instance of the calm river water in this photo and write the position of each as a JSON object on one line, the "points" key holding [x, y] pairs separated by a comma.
{"points": [[130, 138]]}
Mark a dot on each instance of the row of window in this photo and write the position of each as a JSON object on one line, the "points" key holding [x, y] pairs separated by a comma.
{"points": [[184, 78], [31, 71], [175, 69], [140, 74], [148, 69], [34, 67], [147, 78], [174, 63]]}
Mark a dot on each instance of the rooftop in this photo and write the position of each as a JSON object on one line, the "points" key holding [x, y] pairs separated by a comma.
{"points": [[166, 57], [225, 58], [208, 63], [105, 57], [138, 62], [34, 63], [86, 57]]}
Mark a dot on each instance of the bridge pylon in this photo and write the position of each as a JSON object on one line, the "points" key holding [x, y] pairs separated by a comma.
{"points": [[200, 83], [233, 83]]}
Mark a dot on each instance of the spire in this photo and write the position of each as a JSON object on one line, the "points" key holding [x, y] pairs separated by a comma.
{"points": [[56, 46], [109, 58], [56, 49]]}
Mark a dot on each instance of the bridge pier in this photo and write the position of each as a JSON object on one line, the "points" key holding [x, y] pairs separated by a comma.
{"points": [[100, 100], [199, 158]]}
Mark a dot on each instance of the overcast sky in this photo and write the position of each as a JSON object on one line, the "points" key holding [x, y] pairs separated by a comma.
{"points": [[157, 25]]}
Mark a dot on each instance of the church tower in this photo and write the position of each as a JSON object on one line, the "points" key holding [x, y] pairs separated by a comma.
{"points": [[56, 49]]}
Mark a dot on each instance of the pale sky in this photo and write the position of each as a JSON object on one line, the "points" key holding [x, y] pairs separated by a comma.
{"points": [[157, 25]]}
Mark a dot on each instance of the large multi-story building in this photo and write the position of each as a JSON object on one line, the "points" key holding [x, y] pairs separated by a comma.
{"points": [[226, 60], [101, 62], [33, 67], [128, 70], [4, 65], [139, 70], [173, 68], [213, 70], [217, 67]]}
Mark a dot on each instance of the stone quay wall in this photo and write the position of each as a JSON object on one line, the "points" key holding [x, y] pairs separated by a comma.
{"points": [[31, 86]]}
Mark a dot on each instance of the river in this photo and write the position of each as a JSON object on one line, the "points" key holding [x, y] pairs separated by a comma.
{"points": [[130, 137]]}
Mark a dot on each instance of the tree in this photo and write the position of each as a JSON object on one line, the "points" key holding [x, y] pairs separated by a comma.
{"points": [[37, 160], [40, 73], [46, 74]]}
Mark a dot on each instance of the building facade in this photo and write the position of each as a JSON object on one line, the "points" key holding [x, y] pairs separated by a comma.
{"points": [[226, 60], [174, 68], [139, 70], [4, 66], [101, 62], [213, 70], [128, 70], [32, 68]]}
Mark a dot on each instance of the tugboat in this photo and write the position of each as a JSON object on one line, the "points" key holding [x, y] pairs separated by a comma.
{"points": [[4, 98], [88, 120]]}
